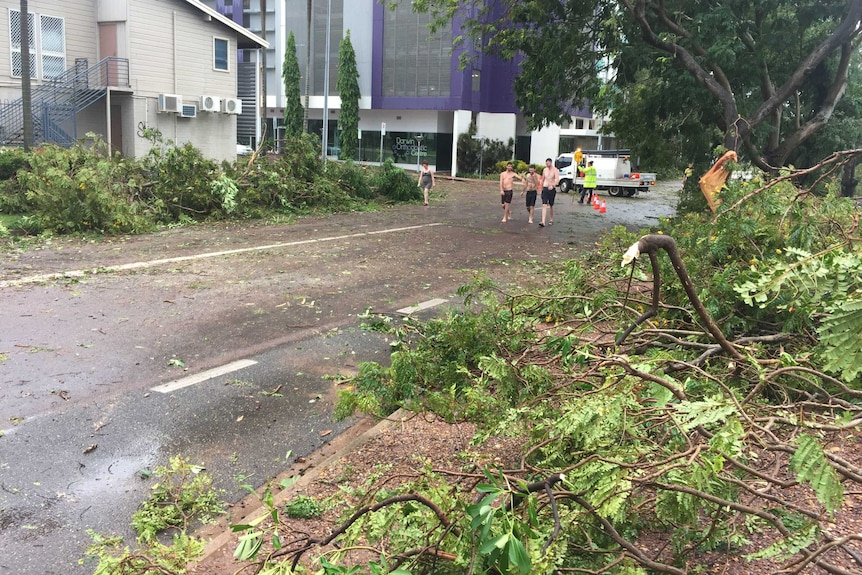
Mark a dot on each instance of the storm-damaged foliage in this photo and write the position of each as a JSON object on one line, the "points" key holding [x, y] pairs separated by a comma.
{"points": [[87, 189], [700, 400]]}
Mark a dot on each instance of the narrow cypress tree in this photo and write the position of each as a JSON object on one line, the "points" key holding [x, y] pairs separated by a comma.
{"points": [[348, 90], [293, 110]]}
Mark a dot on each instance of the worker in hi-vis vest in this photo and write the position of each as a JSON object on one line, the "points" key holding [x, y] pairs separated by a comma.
{"points": [[589, 182]]}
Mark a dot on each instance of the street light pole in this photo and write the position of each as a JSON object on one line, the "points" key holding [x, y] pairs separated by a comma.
{"points": [[481, 154], [382, 133], [325, 137], [418, 150]]}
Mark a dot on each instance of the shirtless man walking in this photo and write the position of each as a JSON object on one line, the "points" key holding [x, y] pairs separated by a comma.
{"points": [[507, 183], [531, 188], [550, 181]]}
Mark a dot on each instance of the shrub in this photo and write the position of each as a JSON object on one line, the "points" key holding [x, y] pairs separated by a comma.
{"points": [[303, 507], [86, 189], [180, 183], [496, 151], [11, 160], [13, 198], [80, 190], [301, 157], [520, 166], [352, 178], [394, 184]]}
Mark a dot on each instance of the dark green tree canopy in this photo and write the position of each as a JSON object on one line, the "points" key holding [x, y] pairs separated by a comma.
{"points": [[765, 74], [348, 90], [293, 109]]}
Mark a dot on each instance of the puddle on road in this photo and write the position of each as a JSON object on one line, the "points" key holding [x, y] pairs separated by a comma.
{"points": [[110, 475]]}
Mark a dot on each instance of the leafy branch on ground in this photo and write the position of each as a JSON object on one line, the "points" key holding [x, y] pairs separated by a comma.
{"points": [[182, 499]]}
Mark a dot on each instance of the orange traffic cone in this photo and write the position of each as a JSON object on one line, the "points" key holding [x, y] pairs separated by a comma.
{"points": [[595, 202], [604, 207]]}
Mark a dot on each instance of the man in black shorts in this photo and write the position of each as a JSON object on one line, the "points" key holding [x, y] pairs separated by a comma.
{"points": [[550, 181], [531, 188], [507, 183]]}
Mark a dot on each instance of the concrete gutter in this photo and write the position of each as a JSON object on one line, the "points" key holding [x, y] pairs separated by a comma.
{"points": [[223, 540]]}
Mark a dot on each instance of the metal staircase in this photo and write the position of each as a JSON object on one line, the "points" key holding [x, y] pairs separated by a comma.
{"points": [[55, 104]]}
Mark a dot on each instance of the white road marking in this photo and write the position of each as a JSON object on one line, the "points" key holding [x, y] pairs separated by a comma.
{"points": [[152, 263], [424, 305], [172, 386]]}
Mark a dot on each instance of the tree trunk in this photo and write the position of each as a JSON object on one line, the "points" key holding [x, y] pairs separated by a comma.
{"points": [[26, 94], [849, 181]]}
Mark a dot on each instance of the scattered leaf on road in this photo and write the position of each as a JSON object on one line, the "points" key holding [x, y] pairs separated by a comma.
{"points": [[90, 448]]}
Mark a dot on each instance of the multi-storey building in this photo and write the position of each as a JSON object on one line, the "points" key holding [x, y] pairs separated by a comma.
{"points": [[122, 69], [416, 99]]}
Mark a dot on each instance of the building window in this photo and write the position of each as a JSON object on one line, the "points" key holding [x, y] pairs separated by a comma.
{"points": [[52, 35], [318, 44], [415, 62], [47, 45], [15, 43], [220, 54]]}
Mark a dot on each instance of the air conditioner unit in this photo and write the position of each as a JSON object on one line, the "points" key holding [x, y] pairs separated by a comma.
{"points": [[189, 111], [210, 104], [172, 103], [232, 106]]}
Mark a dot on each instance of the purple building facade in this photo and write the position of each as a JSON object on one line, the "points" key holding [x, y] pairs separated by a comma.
{"points": [[416, 101]]}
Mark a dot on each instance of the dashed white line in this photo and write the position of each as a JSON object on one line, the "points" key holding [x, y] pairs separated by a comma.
{"points": [[172, 386], [420, 306], [152, 263]]}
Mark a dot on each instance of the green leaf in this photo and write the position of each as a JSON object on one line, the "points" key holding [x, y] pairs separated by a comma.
{"points": [[812, 467], [497, 542], [784, 549], [841, 340], [703, 413], [518, 555], [248, 546]]}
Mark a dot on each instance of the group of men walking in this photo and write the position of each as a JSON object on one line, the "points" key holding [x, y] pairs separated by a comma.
{"points": [[547, 182]]}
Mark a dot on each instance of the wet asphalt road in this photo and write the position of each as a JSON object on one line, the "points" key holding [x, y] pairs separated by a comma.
{"points": [[82, 354]]}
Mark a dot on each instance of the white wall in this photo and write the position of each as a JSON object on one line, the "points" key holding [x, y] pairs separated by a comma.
{"points": [[400, 120], [496, 126], [544, 144], [460, 125]]}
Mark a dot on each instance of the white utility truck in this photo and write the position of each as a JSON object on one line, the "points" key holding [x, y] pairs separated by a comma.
{"points": [[614, 173]]}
